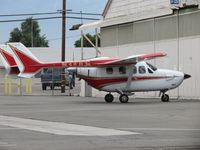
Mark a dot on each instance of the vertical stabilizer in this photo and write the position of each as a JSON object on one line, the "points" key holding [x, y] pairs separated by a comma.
{"points": [[28, 64], [8, 60], [6, 57]]}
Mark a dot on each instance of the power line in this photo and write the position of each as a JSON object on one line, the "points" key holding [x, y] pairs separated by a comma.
{"points": [[29, 14], [88, 14], [50, 13], [48, 18]]}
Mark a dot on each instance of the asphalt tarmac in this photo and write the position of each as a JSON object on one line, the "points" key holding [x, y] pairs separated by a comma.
{"points": [[77, 123]]}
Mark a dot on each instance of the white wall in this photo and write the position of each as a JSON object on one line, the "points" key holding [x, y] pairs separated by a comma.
{"points": [[54, 54], [189, 63]]}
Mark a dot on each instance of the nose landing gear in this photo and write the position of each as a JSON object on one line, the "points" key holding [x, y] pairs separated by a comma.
{"points": [[164, 97]]}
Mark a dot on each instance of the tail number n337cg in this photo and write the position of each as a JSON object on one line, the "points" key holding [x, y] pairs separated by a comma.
{"points": [[123, 76]]}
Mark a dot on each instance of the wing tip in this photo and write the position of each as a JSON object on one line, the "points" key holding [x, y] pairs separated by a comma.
{"points": [[154, 55]]}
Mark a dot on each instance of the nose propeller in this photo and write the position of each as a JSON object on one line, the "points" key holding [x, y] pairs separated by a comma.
{"points": [[186, 76]]}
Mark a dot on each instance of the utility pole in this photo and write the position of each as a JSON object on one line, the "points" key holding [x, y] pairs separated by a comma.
{"points": [[63, 45], [32, 32]]}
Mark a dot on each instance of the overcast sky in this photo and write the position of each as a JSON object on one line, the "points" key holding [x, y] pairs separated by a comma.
{"points": [[51, 28]]}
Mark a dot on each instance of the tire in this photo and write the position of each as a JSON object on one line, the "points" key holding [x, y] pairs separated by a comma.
{"points": [[123, 98], [109, 98], [165, 98], [44, 87]]}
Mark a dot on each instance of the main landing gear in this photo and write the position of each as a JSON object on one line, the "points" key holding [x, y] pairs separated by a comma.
{"points": [[123, 98], [109, 98], [164, 97]]}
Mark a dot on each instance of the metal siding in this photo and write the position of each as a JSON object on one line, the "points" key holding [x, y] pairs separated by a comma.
{"points": [[190, 24], [125, 34], [109, 36], [143, 31], [189, 63], [166, 28]]}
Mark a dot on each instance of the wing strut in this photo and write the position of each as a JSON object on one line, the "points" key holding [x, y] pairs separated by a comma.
{"points": [[128, 85]]}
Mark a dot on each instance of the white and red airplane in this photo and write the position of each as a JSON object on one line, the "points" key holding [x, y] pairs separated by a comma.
{"points": [[8, 61], [124, 76]]}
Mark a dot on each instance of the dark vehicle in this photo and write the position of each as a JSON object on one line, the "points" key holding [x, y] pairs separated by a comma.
{"points": [[52, 78]]}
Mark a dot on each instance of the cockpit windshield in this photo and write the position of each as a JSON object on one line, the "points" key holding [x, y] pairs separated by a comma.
{"points": [[152, 67]]}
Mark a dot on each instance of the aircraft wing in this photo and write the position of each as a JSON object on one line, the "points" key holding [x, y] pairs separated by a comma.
{"points": [[132, 59]]}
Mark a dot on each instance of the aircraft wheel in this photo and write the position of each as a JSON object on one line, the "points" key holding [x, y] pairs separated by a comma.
{"points": [[123, 98], [109, 98], [165, 98]]}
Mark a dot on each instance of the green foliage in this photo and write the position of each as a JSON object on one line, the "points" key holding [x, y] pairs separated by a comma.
{"points": [[15, 35], [85, 42], [29, 34]]}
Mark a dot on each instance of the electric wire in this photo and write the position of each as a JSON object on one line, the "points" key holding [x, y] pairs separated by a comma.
{"points": [[48, 18], [50, 13]]}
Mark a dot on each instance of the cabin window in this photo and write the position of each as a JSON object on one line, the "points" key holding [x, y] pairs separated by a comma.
{"points": [[122, 70], [134, 69], [150, 71], [109, 70], [152, 67], [142, 70]]}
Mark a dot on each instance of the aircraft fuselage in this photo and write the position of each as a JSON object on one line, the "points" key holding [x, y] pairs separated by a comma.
{"points": [[143, 78]]}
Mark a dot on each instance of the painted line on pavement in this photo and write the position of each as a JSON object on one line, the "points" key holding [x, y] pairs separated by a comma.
{"points": [[60, 128], [160, 129], [5, 144]]}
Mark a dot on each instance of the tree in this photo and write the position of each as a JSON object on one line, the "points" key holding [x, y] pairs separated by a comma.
{"points": [[15, 35], [29, 34], [85, 42]]}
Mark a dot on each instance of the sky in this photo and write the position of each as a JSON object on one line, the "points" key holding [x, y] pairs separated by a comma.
{"points": [[50, 28]]}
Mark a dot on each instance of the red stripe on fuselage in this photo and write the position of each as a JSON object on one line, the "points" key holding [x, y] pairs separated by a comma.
{"points": [[98, 82]]}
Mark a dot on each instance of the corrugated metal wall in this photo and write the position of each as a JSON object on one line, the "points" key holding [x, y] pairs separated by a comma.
{"points": [[178, 35]]}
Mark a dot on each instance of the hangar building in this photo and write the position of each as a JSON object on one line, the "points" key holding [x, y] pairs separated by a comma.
{"points": [[150, 26]]}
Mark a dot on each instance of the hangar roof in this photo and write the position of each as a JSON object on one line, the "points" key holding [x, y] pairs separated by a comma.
{"points": [[124, 11]]}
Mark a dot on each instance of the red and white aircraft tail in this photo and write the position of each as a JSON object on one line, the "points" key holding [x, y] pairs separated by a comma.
{"points": [[8, 60], [28, 64]]}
